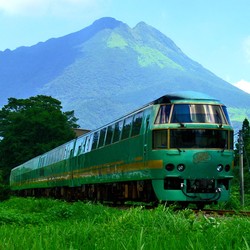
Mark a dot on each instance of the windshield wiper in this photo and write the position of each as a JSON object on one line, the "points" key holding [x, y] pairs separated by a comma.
{"points": [[223, 149], [177, 120], [219, 119], [180, 150]]}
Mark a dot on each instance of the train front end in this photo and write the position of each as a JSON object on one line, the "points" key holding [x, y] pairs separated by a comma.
{"points": [[194, 139]]}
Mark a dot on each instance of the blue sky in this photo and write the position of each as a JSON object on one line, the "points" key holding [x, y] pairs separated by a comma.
{"points": [[215, 33]]}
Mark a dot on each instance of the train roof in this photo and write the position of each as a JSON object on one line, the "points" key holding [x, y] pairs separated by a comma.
{"points": [[177, 97], [184, 95]]}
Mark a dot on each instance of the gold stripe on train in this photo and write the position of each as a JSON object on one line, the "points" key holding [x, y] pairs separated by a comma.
{"points": [[104, 169]]}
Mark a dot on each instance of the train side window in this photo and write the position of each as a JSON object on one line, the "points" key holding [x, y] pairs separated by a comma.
{"points": [[49, 158], [102, 137], [78, 146], [117, 131], [42, 160], [90, 142], [109, 134], [61, 153], [126, 128], [69, 149], [79, 149], [95, 140], [226, 114], [67, 152], [52, 157], [160, 139], [86, 148], [83, 145], [137, 121], [163, 114]]}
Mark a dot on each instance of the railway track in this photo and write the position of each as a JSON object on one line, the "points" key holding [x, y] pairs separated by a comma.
{"points": [[222, 212], [210, 212]]}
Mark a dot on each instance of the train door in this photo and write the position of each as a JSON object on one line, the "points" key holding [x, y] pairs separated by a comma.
{"points": [[69, 161], [146, 136]]}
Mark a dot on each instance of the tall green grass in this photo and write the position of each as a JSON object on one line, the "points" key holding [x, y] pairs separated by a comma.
{"points": [[28, 223]]}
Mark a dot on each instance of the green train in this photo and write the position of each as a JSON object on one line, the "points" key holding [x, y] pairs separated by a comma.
{"points": [[178, 148]]}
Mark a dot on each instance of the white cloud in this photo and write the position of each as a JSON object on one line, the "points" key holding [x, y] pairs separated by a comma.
{"points": [[246, 48], [243, 85], [14, 7], [40, 7]]}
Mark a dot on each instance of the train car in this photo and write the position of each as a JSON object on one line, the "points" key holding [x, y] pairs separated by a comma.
{"points": [[178, 148]]}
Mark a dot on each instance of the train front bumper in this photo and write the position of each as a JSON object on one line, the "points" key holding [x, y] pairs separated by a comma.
{"points": [[199, 190]]}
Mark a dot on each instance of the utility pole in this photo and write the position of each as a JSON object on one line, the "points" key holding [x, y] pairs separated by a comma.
{"points": [[242, 193]]}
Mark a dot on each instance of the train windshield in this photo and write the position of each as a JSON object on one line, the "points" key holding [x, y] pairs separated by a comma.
{"points": [[193, 113], [200, 138]]}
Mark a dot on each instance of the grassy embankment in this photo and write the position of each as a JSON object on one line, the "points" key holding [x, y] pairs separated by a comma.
{"points": [[28, 223]]}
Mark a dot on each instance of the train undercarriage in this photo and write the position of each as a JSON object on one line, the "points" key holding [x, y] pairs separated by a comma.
{"points": [[114, 193], [118, 192]]}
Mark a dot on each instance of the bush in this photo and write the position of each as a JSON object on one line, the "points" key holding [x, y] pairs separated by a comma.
{"points": [[4, 192]]}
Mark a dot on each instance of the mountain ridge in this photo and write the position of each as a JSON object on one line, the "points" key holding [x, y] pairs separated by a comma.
{"points": [[108, 69]]}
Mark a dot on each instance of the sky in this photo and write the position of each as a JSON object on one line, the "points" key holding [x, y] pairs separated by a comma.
{"points": [[215, 33]]}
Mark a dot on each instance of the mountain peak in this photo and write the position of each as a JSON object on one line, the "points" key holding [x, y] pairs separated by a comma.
{"points": [[107, 22], [141, 24], [150, 33]]}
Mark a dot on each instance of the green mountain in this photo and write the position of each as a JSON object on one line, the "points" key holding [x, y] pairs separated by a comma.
{"points": [[108, 69]]}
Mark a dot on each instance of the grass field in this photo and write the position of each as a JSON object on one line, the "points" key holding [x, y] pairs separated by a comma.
{"points": [[29, 223]]}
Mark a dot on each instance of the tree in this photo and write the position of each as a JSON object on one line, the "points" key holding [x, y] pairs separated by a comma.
{"points": [[246, 156], [30, 127], [246, 153], [246, 138]]}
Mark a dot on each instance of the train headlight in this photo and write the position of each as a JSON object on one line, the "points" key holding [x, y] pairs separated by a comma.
{"points": [[181, 167], [219, 167], [169, 167], [227, 168]]}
